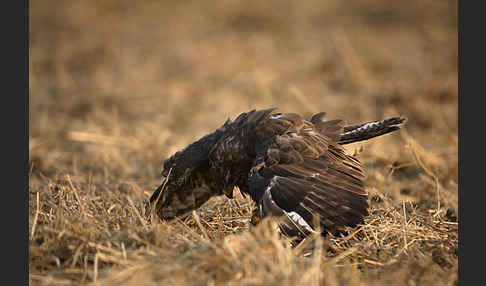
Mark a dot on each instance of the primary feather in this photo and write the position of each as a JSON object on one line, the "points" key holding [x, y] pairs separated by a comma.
{"points": [[291, 167]]}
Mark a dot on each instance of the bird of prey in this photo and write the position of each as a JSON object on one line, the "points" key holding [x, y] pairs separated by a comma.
{"points": [[291, 167]]}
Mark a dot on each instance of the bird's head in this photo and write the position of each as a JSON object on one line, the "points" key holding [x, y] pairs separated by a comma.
{"points": [[184, 187], [176, 195]]}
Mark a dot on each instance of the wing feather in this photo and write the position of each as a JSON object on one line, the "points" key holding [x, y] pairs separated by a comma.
{"points": [[303, 173]]}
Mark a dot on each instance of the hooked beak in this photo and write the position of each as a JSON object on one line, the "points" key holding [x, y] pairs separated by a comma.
{"points": [[154, 199]]}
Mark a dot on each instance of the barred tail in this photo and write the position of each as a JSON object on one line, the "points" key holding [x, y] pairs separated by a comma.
{"points": [[367, 130]]}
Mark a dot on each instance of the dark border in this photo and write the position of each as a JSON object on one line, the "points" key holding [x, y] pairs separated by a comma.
{"points": [[15, 141], [460, 78], [23, 70], [16, 77], [471, 79], [26, 48]]}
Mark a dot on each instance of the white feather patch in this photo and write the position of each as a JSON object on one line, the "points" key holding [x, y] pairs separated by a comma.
{"points": [[300, 221], [276, 116]]}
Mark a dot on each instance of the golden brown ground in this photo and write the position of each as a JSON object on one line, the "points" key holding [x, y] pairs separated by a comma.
{"points": [[117, 86]]}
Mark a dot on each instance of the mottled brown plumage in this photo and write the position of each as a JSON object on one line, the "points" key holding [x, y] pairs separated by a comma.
{"points": [[291, 167]]}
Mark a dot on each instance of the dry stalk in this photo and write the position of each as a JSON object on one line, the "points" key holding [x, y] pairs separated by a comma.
{"points": [[428, 172], [405, 228], [81, 207], [198, 222], [137, 213], [95, 268], [34, 223]]}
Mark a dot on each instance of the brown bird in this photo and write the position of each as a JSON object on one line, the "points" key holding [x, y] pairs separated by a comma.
{"points": [[291, 167]]}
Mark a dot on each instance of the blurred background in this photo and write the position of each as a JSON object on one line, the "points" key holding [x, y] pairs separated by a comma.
{"points": [[117, 86]]}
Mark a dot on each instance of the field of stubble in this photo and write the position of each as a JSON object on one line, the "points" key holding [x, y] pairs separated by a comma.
{"points": [[118, 86]]}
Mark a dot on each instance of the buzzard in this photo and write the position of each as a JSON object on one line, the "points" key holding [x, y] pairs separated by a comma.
{"points": [[291, 167]]}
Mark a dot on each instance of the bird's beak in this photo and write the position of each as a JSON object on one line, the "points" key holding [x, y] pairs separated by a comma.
{"points": [[156, 196]]}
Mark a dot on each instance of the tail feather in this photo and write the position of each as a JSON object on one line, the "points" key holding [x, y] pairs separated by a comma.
{"points": [[368, 130]]}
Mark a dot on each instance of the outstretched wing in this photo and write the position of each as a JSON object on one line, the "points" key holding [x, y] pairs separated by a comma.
{"points": [[304, 175]]}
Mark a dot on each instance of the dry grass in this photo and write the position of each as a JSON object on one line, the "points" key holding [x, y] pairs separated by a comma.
{"points": [[116, 87]]}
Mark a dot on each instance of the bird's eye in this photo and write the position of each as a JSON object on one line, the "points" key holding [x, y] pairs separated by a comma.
{"points": [[167, 169], [165, 172]]}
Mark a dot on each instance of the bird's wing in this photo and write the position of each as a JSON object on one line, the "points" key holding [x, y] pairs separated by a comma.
{"points": [[304, 175]]}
